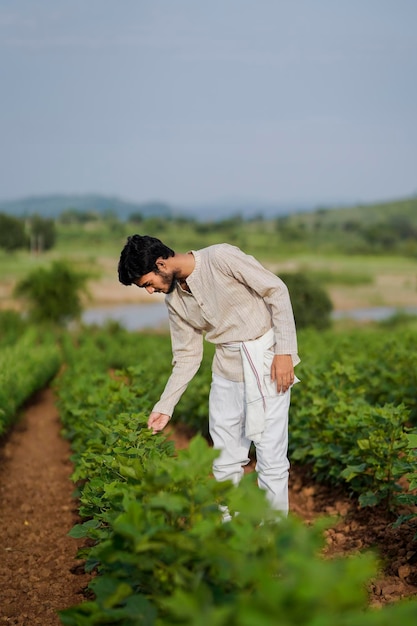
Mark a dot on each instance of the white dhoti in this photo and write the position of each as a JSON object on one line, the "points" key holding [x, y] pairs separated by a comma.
{"points": [[253, 410]]}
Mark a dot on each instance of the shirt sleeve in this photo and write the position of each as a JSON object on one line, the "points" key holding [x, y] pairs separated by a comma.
{"points": [[250, 272], [187, 351]]}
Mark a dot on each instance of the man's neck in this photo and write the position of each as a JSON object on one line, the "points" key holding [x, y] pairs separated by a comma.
{"points": [[185, 264]]}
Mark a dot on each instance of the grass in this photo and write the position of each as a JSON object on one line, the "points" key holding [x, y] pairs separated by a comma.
{"points": [[352, 280]]}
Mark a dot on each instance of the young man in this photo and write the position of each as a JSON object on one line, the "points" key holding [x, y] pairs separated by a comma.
{"points": [[245, 310]]}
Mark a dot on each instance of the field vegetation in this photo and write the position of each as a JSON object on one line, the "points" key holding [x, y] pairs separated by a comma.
{"points": [[155, 542], [152, 520]]}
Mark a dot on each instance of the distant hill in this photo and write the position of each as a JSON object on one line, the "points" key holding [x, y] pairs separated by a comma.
{"points": [[389, 212], [53, 205]]}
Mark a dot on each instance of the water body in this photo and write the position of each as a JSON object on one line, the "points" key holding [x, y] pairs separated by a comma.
{"points": [[374, 314], [142, 316], [130, 316]]}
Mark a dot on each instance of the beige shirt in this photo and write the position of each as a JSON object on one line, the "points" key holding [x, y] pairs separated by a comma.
{"points": [[233, 298]]}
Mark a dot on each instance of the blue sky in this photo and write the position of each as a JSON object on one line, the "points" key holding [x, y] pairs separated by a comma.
{"points": [[200, 101]]}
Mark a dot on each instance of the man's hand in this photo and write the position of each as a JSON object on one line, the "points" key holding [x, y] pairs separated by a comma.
{"points": [[158, 421], [282, 372]]}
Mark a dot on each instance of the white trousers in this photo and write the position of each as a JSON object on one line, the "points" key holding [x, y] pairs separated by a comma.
{"points": [[227, 428]]}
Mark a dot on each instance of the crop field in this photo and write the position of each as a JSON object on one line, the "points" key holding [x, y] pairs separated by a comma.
{"points": [[152, 515], [149, 515], [147, 527]]}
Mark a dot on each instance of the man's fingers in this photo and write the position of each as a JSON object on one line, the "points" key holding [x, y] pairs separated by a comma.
{"points": [[284, 383], [157, 421]]}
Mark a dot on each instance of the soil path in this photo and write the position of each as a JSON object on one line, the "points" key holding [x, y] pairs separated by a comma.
{"points": [[38, 559]]}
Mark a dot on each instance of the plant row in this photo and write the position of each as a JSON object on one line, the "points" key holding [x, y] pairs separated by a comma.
{"points": [[354, 416], [26, 366], [158, 546]]}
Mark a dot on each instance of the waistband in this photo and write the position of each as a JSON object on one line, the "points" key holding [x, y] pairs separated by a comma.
{"points": [[264, 341]]}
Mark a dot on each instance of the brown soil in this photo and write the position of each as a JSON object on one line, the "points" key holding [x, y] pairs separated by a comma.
{"points": [[356, 529], [39, 570]]}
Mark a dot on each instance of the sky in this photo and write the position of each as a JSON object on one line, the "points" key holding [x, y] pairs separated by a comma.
{"points": [[203, 101]]}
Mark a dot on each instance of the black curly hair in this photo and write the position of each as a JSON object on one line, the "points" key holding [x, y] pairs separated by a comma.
{"points": [[139, 257]]}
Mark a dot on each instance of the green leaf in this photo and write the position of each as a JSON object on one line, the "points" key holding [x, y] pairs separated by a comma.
{"points": [[353, 470], [170, 502], [83, 530], [122, 591], [412, 440], [368, 499]]}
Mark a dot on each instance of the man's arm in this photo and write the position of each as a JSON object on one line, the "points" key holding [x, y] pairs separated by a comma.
{"points": [[187, 351]]}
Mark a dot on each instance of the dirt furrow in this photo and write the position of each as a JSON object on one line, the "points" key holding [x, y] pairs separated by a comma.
{"points": [[38, 559]]}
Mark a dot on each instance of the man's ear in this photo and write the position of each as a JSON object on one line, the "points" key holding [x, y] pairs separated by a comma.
{"points": [[160, 263]]}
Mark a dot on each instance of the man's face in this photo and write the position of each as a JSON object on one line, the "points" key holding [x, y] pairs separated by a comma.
{"points": [[158, 282]]}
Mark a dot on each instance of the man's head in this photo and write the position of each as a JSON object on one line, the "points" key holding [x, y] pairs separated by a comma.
{"points": [[140, 256]]}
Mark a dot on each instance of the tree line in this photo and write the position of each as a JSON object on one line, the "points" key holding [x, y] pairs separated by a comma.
{"points": [[36, 233], [373, 229]]}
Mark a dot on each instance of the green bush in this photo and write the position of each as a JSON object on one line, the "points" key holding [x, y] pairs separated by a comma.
{"points": [[311, 304], [53, 295]]}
